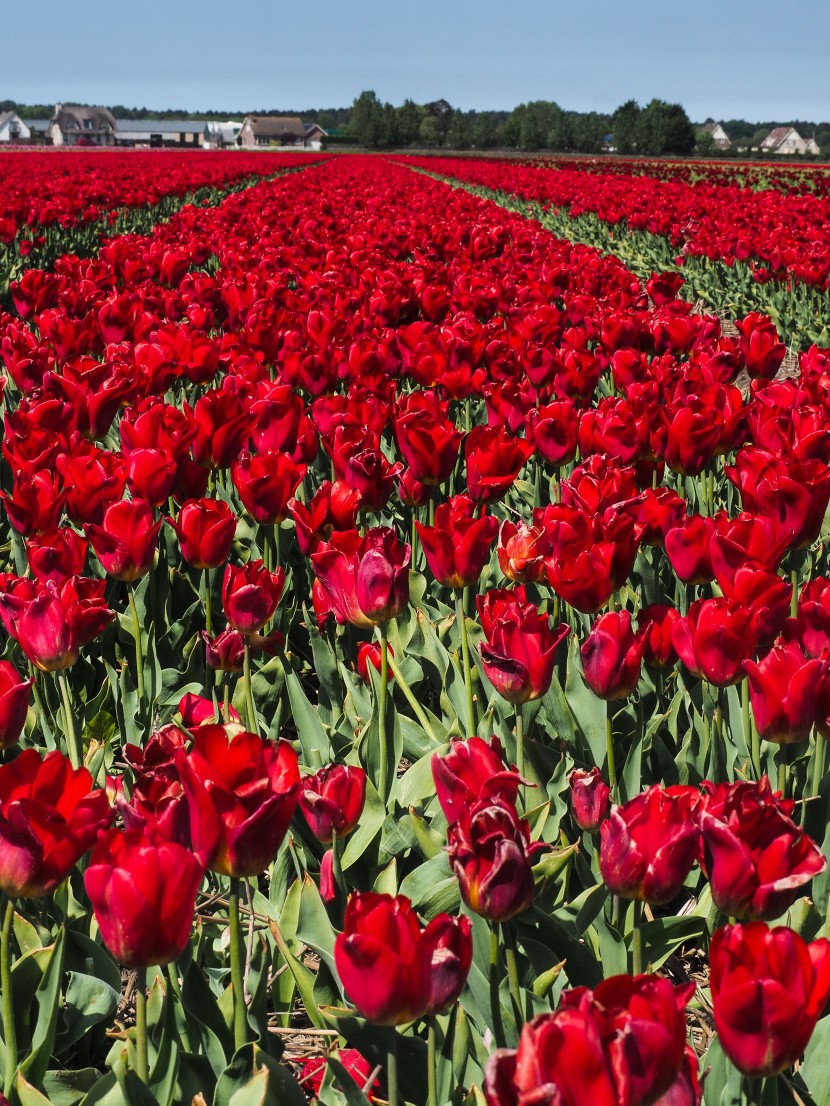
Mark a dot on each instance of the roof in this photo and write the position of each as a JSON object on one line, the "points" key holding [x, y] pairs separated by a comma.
{"points": [[156, 126], [100, 118], [777, 136], [311, 127], [276, 126]]}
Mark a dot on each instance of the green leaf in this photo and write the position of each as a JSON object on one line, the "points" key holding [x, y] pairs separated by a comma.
{"points": [[47, 1000], [433, 888], [370, 825], [313, 926], [310, 730]]}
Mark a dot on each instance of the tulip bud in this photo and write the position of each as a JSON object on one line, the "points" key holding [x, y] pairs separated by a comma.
{"points": [[611, 656], [332, 800], [589, 798]]}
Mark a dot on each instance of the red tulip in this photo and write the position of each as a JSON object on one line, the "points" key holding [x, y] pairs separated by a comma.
{"points": [[36, 502], [769, 988], [50, 815], [56, 554], [250, 595], [714, 640], [429, 445], [332, 507], [472, 770], [649, 844], [369, 653], [491, 855], [242, 793], [762, 350], [612, 655], [143, 893], [588, 798], [366, 579], [519, 653], [52, 624], [494, 459], [755, 857], [393, 970], [689, 549], [14, 704], [458, 546], [226, 651], [266, 483], [332, 800], [205, 529], [655, 625], [125, 542], [522, 550], [783, 691]]}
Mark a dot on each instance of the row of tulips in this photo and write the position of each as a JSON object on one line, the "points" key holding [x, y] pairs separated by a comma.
{"points": [[314, 505]]}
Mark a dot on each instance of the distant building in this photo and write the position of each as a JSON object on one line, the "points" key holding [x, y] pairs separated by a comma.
{"points": [[82, 126], [280, 130], [12, 128], [160, 132], [39, 131], [786, 141], [218, 136], [720, 138]]}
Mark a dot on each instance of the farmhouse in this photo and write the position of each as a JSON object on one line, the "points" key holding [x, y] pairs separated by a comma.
{"points": [[280, 130], [787, 141], [720, 138], [12, 128], [218, 136], [82, 126]]}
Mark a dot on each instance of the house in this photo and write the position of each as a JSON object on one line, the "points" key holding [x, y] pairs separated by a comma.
{"points": [[39, 131], [12, 128], [188, 133], [786, 141], [218, 136], [720, 138], [279, 130], [82, 126]]}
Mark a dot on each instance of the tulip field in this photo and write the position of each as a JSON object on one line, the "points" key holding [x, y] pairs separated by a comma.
{"points": [[415, 675]]}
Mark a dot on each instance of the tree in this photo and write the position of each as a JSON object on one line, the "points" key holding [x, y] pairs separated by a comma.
{"points": [[664, 129], [441, 112], [588, 131], [624, 126], [705, 145], [459, 132], [366, 119], [485, 130], [409, 122]]}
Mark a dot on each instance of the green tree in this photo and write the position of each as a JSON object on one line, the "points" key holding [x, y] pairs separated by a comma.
{"points": [[624, 126], [485, 130], [366, 119], [588, 131], [409, 122], [664, 129], [441, 112], [459, 132]]}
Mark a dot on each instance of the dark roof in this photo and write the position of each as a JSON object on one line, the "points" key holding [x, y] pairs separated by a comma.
{"points": [[100, 118], [276, 126]]}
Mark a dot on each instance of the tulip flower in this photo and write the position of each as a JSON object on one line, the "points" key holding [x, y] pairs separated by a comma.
{"points": [[14, 704], [521, 551], [612, 655], [655, 625], [53, 623], [769, 988], [429, 445], [365, 578], [266, 483], [242, 792], [762, 350], [332, 507], [473, 769], [143, 893], [250, 595], [649, 844], [458, 546], [35, 503], [588, 798], [755, 857], [56, 554], [226, 651], [332, 800], [50, 815], [553, 429], [623, 1042], [369, 653], [125, 542], [491, 852], [783, 691], [494, 459], [714, 640], [393, 970], [689, 549], [519, 653], [205, 529], [812, 622]]}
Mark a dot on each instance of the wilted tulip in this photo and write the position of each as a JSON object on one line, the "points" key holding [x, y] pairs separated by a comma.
{"points": [[143, 893]]}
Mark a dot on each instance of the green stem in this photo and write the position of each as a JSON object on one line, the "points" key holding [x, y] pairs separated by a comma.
{"points": [[719, 771], [609, 749], [250, 709], [383, 766], [637, 939], [208, 618], [9, 1032], [495, 1002], [432, 1081], [72, 742], [139, 653], [520, 741], [175, 987], [142, 1066], [512, 972], [751, 735], [392, 1069], [410, 698], [240, 1019], [818, 771], [465, 661]]}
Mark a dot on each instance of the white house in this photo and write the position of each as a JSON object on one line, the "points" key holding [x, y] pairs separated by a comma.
{"points": [[82, 126], [720, 138], [12, 128], [216, 136], [786, 141]]}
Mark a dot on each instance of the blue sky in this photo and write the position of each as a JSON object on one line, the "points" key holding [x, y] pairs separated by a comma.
{"points": [[755, 59]]}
